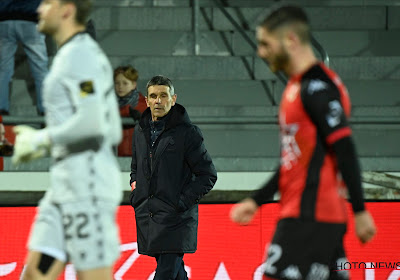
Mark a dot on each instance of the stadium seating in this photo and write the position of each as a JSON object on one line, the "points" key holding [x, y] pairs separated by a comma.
{"points": [[230, 93]]}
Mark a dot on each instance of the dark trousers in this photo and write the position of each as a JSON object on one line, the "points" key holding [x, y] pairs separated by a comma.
{"points": [[170, 267]]}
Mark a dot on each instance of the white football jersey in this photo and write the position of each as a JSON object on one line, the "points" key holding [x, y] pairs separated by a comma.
{"points": [[83, 121]]}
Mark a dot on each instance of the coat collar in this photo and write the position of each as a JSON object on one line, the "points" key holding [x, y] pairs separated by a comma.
{"points": [[176, 116]]}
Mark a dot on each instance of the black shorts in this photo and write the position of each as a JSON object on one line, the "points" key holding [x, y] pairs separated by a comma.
{"points": [[306, 250]]}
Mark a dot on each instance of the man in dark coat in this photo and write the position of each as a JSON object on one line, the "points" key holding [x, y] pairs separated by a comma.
{"points": [[171, 171]]}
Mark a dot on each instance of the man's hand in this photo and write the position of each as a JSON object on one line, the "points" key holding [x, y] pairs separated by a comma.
{"points": [[364, 226], [30, 144], [133, 185], [243, 212]]}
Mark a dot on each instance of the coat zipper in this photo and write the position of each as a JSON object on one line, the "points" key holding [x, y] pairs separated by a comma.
{"points": [[151, 161]]}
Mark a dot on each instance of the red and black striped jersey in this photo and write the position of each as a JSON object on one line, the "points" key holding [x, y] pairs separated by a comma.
{"points": [[318, 157], [312, 116]]}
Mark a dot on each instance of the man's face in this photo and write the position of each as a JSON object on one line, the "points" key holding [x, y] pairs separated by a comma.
{"points": [[272, 49], [159, 100], [50, 15]]}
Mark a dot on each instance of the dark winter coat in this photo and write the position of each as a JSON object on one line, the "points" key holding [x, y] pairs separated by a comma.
{"points": [[169, 183]]}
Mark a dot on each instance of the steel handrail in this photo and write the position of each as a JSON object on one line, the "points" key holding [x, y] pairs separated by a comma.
{"points": [[280, 75]]}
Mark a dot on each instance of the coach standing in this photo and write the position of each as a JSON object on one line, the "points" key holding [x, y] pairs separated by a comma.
{"points": [[171, 171]]}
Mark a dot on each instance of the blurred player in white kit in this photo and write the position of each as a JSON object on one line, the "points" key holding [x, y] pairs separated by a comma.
{"points": [[76, 218]]}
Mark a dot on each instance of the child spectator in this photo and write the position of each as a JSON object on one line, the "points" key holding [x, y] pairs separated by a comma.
{"points": [[131, 103]]}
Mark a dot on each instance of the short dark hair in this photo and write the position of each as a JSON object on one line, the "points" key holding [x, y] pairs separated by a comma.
{"points": [[289, 15], [160, 80], [83, 8]]}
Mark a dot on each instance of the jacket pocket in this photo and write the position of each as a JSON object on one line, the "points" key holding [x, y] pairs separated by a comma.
{"points": [[135, 202], [181, 206], [165, 212], [131, 197]]}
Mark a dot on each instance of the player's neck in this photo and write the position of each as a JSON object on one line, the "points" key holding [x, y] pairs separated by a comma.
{"points": [[301, 61], [67, 31]]}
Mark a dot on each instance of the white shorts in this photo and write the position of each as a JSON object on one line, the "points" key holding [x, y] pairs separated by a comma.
{"points": [[82, 232]]}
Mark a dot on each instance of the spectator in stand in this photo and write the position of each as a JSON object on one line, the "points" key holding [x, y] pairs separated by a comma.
{"points": [[18, 20], [6, 148], [131, 103]]}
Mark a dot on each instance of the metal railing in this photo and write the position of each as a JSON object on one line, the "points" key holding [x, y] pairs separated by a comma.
{"points": [[221, 4]]}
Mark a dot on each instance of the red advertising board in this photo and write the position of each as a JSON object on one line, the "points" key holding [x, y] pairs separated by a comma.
{"points": [[225, 250]]}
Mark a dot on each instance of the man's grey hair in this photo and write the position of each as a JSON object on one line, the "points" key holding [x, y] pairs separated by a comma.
{"points": [[160, 80]]}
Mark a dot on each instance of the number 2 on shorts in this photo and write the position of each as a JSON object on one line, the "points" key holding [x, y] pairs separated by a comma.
{"points": [[274, 254]]}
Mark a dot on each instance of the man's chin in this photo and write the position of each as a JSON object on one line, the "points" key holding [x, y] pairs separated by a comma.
{"points": [[159, 115], [42, 29]]}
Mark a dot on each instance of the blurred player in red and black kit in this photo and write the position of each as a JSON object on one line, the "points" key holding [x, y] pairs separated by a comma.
{"points": [[318, 158]]}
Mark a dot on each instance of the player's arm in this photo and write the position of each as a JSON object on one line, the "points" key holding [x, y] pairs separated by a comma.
{"points": [[84, 125], [349, 168], [92, 120], [88, 121], [85, 78], [348, 165], [267, 191], [114, 123], [325, 108], [243, 212], [86, 128]]}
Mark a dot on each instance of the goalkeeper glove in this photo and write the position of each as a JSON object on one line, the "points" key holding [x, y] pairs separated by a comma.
{"points": [[30, 144]]}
